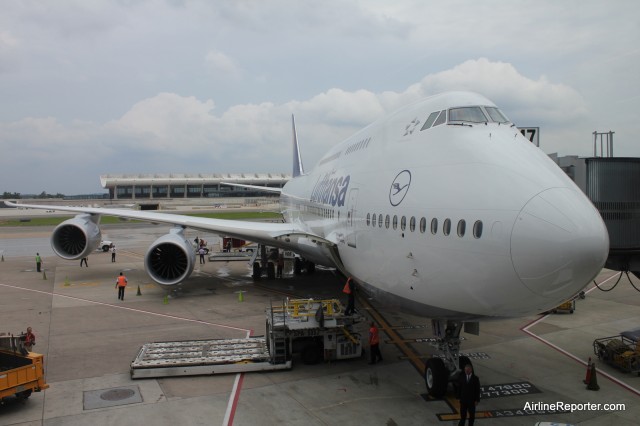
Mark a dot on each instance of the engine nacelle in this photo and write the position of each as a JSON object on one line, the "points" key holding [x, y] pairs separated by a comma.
{"points": [[170, 259], [76, 238]]}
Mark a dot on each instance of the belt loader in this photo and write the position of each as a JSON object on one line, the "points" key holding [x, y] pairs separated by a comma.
{"points": [[315, 329]]}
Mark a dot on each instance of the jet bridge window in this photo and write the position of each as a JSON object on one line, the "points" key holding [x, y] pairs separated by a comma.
{"points": [[468, 114], [496, 115]]}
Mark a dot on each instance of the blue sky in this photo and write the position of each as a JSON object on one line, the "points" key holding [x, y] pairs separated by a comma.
{"points": [[153, 86]]}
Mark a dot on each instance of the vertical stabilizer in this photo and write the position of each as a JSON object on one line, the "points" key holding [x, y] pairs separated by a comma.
{"points": [[298, 169]]}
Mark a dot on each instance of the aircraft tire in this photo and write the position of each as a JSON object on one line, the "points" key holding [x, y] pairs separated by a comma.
{"points": [[436, 377]]}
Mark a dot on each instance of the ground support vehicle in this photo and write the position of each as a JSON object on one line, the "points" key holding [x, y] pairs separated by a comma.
{"points": [[568, 306], [313, 329], [21, 372], [621, 351]]}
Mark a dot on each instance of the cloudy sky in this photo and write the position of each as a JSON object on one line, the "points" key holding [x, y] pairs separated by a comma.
{"points": [[157, 86]]}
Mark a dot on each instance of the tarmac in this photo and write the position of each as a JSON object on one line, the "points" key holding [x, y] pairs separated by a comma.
{"points": [[89, 339]]}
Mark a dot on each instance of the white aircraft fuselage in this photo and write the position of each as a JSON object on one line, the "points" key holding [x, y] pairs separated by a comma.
{"points": [[463, 220], [442, 209]]}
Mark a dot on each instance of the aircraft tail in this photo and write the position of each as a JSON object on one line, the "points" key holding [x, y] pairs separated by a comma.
{"points": [[298, 169]]}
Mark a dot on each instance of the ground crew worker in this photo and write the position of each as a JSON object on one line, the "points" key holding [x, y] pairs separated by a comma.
{"points": [[38, 261], [201, 252], [121, 283], [280, 266], [374, 344], [468, 394], [29, 339], [84, 260], [113, 253], [349, 290]]}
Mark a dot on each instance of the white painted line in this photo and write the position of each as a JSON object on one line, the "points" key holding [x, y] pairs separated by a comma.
{"points": [[574, 357], [237, 385]]}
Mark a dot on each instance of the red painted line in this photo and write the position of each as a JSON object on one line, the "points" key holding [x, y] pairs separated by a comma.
{"points": [[526, 327]]}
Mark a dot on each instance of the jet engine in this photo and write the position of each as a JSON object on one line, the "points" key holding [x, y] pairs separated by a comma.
{"points": [[170, 259], [76, 238]]}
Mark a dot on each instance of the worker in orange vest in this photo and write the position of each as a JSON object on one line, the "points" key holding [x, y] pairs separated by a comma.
{"points": [[121, 283], [349, 290], [374, 344]]}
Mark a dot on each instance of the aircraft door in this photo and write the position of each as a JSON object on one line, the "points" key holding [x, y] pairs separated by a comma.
{"points": [[350, 229]]}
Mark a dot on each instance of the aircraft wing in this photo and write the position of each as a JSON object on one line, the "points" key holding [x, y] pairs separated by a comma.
{"points": [[259, 232], [258, 187]]}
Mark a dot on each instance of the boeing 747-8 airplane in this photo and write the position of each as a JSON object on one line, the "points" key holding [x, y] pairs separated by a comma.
{"points": [[442, 209]]}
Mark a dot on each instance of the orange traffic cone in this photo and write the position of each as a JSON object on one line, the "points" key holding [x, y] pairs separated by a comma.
{"points": [[593, 382], [587, 379]]}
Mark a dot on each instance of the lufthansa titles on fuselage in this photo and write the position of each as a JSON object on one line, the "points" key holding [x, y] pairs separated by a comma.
{"points": [[331, 190]]}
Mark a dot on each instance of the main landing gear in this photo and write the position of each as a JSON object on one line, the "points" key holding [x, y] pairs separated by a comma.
{"points": [[438, 372]]}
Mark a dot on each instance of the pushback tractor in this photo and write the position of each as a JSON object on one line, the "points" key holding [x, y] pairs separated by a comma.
{"points": [[315, 330]]}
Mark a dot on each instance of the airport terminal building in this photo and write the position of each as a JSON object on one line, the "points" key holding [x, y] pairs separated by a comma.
{"points": [[177, 186]]}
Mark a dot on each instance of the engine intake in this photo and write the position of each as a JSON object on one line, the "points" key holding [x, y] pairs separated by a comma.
{"points": [[77, 237], [170, 259]]}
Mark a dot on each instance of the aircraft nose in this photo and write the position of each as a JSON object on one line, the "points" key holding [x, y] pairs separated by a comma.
{"points": [[559, 243]]}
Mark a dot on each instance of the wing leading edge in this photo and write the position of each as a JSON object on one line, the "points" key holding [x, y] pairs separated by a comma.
{"points": [[259, 232]]}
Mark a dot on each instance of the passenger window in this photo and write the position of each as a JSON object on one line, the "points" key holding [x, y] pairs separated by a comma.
{"points": [[462, 225], [395, 222], [380, 221], [387, 219], [430, 120], [477, 229], [403, 223], [412, 224], [446, 227], [434, 226], [423, 225], [373, 220], [441, 118]]}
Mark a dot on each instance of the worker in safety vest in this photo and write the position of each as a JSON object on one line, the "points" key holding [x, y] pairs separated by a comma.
{"points": [[29, 339], [374, 344], [121, 283], [349, 290]]}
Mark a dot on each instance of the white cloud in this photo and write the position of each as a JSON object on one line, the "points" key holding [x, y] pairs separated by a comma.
{"points": [[219, 62]]}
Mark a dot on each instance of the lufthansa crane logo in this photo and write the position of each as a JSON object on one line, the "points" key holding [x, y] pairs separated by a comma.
{"points": [[399, 187]]}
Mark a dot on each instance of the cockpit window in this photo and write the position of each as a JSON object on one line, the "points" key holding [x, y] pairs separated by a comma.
{"points": [[430, 120], [441, 118], [468, 114], [496, 115]]}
